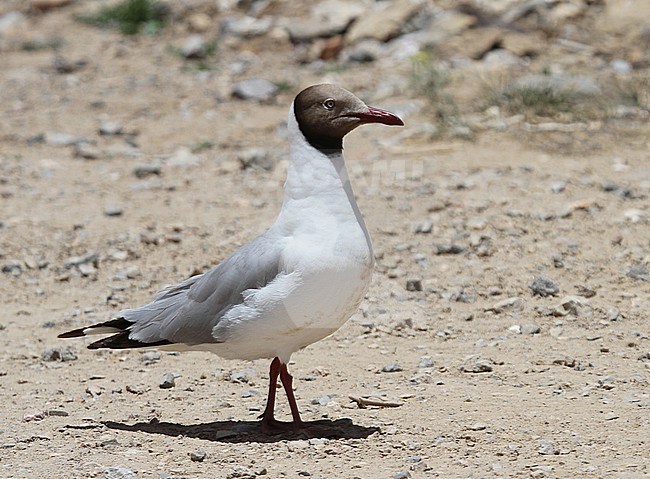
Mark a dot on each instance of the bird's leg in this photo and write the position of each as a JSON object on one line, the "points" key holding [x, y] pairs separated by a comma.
{"points": [[269, 423], [287, 382]]}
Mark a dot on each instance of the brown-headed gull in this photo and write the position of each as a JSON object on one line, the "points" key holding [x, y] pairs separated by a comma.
{"points": [[293, 285]]}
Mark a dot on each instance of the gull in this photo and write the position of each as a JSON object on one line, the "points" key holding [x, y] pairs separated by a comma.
{"points": [[293, 285]]}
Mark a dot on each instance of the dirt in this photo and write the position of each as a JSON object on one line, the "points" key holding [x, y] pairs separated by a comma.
{"points": [[539, 386]]}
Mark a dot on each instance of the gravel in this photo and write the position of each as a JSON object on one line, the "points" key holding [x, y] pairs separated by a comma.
{"points": [[544, 286]]}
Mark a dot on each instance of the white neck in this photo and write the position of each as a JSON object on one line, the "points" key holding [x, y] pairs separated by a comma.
{"points": [[318, 179]]}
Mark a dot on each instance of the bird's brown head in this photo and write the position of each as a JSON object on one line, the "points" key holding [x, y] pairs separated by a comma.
{"points": [[326, 113]]}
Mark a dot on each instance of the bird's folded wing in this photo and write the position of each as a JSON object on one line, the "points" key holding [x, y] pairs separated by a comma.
{"points": [[187, 312]]}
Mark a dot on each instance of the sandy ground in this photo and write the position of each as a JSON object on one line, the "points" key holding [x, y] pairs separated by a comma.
{"points": [[493, 381]]}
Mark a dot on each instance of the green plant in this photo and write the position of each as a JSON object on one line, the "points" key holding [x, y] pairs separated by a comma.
{"points": [[284, 86], [130, 17], [202, 145], [430, 79], [53, 43], [635, 91], [547, 96]]}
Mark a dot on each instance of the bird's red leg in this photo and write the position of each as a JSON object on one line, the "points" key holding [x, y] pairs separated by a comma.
{"points": [[287, 382], [274, 371], [269, 423]]}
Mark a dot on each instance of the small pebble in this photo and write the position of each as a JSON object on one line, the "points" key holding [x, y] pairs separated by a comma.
{"points": [[111, 211], [391, 368], [529, 329], [558, 186], [413, 285], [479, 426], [198, 456], [638, 271], [546, 448], [255, 89], [59, 354], [543, 286], [425, 362], [447, 248], [143, 171], [168, 381]]}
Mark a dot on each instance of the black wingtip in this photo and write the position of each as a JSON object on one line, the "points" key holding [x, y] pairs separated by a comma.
{"points": [[75, 333], [119, 323], [122, 341]]}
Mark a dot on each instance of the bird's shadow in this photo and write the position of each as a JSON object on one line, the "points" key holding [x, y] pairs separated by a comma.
{"points": [[246, 431]]}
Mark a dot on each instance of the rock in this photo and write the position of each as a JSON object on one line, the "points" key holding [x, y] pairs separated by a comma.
{"points": [[246, 26], [107, 440], [622, 15], [248, 393], [546, 448], [150, 357], [64, 66], [620, 66], [13, 267], [61, 139], [11, 21], [183, 157], [143, 171], [474, 43], [112, 211], [613, 314], [391, 368], [256, 89], [401, 475], [364, 51], [194, 46], [257, 158], [168, 381], [425, 227], [477, 365], [445, 24], [513, 303], [529, 329], [327, 19], [110, 128], [136, 389], [558, 186], [448, 248], [59, 354], [199, 22], [87, 151], [87, 269], [479, 426], [425, 362], [414, 285], [36, 416], [321, 401], [242, 472], [524, 44], [586, 291], [384, 22], [241, 377], [638, 271], [72, 261], [543, 286], [569, 305], [635, 215], [119, 473]]}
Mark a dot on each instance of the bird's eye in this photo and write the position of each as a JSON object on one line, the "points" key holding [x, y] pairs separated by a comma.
{"points": [[329, 104]]}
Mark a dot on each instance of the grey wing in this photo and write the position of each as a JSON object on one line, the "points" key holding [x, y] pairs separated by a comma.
{"points": [[186, 312]]}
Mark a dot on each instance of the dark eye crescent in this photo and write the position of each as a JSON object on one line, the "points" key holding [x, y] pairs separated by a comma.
{"points": [[329, 104]]}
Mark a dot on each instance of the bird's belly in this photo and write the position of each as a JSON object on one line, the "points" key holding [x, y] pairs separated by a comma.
{"points": [[318, 305]]}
